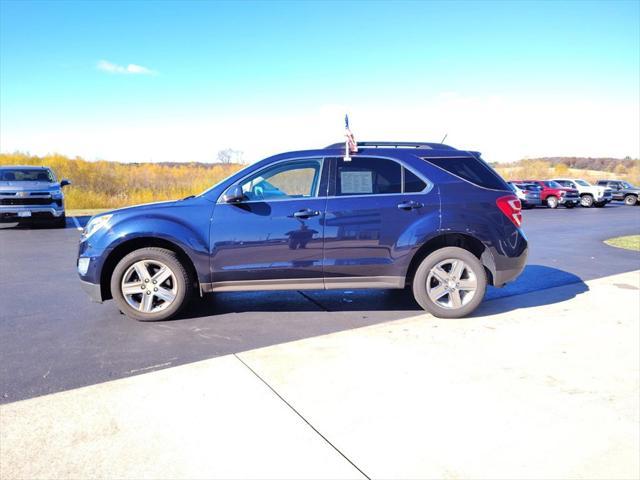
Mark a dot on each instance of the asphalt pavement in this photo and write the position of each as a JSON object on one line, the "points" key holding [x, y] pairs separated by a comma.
{"points": [[52, 338]]}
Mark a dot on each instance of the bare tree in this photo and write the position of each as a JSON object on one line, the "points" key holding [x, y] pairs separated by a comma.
{"points": [[229, 155]]}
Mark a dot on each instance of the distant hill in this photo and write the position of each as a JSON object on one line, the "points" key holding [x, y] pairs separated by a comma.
{"points": [[589, 168], [606, 164]]}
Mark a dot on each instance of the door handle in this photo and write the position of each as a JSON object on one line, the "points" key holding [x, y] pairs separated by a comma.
{"points": [[306, 213], [410, 205]]}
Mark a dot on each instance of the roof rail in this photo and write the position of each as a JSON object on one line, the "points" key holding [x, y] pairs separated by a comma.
{"points": [[417, 145]]}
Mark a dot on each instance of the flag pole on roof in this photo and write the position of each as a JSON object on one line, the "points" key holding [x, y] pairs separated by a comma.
{"points": [[350, 144]]}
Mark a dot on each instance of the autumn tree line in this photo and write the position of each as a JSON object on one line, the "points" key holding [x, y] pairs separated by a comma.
{"points": [[103, 184]]}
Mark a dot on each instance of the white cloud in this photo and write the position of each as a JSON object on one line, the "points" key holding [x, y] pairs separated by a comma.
{"points": [[131, 69]]}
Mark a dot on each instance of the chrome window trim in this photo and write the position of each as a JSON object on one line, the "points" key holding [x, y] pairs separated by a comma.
{"points": [[429, 184]]}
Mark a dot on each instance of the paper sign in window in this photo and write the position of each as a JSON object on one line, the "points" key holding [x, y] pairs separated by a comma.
{"points": [[356, 182]]}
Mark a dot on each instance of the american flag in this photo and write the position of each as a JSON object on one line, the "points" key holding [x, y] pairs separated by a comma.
{"points": [[351, 140]]}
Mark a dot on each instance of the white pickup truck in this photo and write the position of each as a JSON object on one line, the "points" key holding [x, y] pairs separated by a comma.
{"points": [[590, 195]]}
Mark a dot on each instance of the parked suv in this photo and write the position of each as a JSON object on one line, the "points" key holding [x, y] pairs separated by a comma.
{"points": [[31, 193], [621, 190], [590, 195], [553, 194], [393, 215]]}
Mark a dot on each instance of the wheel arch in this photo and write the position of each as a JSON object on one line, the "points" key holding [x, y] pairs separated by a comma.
{"points": [[128, 246], [461, 240]]}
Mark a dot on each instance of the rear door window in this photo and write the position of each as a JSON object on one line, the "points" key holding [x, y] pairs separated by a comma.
{"points": [[472, 170], [375, 176]]}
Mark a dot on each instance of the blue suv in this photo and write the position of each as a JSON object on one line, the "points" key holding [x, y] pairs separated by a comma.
{"points": [[424, 216]]}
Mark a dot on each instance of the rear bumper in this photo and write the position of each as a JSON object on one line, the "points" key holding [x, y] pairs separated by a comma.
{"points": [[508, 260]]}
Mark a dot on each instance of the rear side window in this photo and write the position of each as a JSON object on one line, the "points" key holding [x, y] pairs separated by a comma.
{"points": [[470, 169], [375, 176], [368, 176]]}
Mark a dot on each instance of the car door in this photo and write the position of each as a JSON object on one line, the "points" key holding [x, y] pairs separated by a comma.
{"points": [[273, 237], [377, 211]]}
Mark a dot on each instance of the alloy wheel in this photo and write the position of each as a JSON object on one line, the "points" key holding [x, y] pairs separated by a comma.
{"points": [[149, 286], [451, 284]]}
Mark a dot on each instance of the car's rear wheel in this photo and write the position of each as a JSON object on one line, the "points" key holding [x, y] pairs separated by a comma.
{"points": [[450, 283], [150, 284], [552, 201], [630, 200], [586, 201]]}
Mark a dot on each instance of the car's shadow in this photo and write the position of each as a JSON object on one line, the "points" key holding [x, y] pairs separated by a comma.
{"points": [[535, 278]]}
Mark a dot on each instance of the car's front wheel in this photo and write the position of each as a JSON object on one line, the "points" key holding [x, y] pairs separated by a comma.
{"points": [[450, 283], [150, 284], [552, 201], [587, 201]]}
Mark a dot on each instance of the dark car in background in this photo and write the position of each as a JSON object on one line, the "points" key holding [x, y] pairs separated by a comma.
{"points": [[528, 193], [31, 193], [622, 191], [393, 215]]}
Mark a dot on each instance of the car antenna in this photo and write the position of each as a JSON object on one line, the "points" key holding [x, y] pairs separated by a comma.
{"points": [[444, 138]]}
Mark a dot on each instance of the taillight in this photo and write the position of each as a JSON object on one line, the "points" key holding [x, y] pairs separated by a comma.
{"points": [[510, 205]]}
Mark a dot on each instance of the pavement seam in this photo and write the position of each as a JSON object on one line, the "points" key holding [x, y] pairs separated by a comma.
{"points": [[301, 417], [315, 302]]}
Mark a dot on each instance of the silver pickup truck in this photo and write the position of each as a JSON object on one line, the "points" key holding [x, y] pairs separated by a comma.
{"points": [[31, 193]]}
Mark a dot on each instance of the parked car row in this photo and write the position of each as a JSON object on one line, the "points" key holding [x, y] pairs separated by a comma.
{"points": [[570, 192]]}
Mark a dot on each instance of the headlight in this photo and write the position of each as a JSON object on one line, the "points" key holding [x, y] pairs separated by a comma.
{"points": [[95, 224], [56, 194]]}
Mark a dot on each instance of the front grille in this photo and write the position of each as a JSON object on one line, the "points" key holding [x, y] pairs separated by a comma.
{"points": [[27, 201]]}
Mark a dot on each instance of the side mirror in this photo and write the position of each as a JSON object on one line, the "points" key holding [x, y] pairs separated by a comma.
{"points": [[233, 194], [64, 182]]}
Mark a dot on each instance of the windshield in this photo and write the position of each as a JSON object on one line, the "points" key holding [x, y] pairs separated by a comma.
{"points": [[552, 184], [626, 185], [26, 175], [583, 183]]}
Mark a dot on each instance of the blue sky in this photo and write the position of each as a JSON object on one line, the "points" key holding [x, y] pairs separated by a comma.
{"points": [[179, 81]]}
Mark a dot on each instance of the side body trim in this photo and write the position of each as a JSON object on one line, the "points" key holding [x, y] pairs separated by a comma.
{"points": [[305, 284]]}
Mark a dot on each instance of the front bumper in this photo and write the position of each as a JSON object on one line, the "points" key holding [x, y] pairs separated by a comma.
{"points": [[93, 290], [26, 212], [571, 200]]}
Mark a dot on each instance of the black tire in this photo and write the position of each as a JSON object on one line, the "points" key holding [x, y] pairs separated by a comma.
{"points": [[422, 274], [569, 205], [586, 201], [630, 200], [60, 222], [600, 204], [552, 201], [183, 283]]}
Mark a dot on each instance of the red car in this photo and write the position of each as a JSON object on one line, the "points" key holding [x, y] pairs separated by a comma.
{"points": [[553, 194]]}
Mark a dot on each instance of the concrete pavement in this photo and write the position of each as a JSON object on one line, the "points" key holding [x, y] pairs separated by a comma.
{"points": [[542, 389]]}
